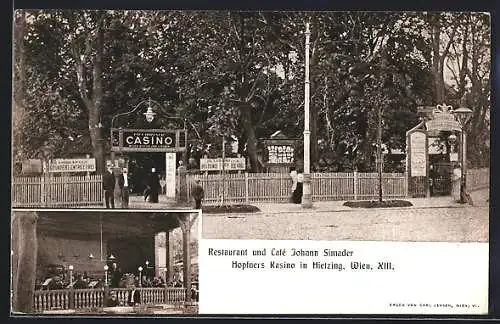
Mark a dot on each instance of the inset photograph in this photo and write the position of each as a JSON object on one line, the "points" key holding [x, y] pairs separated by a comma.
{"points": [[104, 262]]}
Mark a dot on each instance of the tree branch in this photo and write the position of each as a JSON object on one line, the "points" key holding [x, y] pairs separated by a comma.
{"points": [[443, 56]]}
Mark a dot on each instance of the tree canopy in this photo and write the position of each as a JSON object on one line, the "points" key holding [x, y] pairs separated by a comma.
{"points": [[242, 74]]}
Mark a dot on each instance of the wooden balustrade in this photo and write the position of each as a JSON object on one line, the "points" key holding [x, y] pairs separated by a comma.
{"points": [[94, 298], [175, 295], [88, 298]]}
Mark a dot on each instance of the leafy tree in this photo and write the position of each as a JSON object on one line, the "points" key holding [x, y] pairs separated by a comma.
{"points": [[241, 73]]}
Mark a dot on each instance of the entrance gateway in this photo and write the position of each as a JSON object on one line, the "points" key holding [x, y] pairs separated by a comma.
{"points": [[430, 151], [150, 136]]}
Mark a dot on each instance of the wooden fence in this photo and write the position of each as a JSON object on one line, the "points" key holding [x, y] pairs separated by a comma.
{"points": [[80, 191], [276, 187], [57, 191], [94, 298]]}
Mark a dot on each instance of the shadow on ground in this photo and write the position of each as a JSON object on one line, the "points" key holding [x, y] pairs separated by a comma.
{"points": [[228, 209], [378, 204]]}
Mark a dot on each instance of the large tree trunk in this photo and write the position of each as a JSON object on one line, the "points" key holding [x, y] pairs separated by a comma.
{"points": [[93, 103], [95, 114], [246, 122], [14, 243], [26, 261], [476, 126], [19, 81], [437, 67], [96, 137], [19, 58]]}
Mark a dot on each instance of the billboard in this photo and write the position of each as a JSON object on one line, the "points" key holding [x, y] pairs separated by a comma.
{"points": [[148, 140], [71, 165], [230, 164]]}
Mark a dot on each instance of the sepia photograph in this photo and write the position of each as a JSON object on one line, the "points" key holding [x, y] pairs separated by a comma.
{"points": [[128, 125], [94, 261]]}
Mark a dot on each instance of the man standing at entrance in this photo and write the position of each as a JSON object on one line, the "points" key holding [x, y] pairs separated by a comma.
{"points": [[108, 184], [123, 183]]}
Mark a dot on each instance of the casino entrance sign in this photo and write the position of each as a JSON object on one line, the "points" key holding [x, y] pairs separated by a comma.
{"points": [[148, 140]]}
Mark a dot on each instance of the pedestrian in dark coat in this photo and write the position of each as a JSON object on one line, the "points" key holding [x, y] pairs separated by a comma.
{"points": [[154, 186], [108, 184], [198, 194], [297, 194]]}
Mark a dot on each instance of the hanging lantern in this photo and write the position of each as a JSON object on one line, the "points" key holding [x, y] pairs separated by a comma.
{"points": [[150, 114]]}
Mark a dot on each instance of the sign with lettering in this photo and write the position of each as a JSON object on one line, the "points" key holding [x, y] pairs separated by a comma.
{"points": [[148, 140], [230, 164], [31, 166], [71, 165], [280, 154], [170, 164], [442, 120], [418, 154]]}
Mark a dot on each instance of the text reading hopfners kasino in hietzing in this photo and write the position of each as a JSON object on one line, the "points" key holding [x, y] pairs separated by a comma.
{"points": [[298, 258]]}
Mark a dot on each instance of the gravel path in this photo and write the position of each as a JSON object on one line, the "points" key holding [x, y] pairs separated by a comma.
{"points": [[452, 223]]}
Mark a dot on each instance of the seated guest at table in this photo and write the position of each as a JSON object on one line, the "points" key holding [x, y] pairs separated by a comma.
{"points": [[113, 300], [80, 283], [134, 296]]}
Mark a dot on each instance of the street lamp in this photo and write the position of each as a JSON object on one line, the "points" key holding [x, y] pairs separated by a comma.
{"points": [[70, 268], [462, 115], [149, 114], [306, 189], [140, 276], [106, 275]]}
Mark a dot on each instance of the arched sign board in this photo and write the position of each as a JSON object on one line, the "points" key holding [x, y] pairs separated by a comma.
{"points": [[148, 140]]}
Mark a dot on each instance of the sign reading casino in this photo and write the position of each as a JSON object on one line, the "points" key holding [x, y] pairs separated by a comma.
{"points": [[148, 140]]}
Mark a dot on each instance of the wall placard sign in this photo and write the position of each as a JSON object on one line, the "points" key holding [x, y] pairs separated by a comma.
{"points": [[230, 164], [148, 140], [280, 154], [71, 165], [170, 168], [418, 154]]}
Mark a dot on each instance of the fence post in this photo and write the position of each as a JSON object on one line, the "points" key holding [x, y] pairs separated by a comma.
{"points": [[71, 296], [356, 180], [106, 296], [165, 290], [43, 199], [406, 184], [246, 188]]}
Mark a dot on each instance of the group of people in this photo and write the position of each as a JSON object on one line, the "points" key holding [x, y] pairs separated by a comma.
{"points": [[151, 193], [133, 297], [109, 183]]}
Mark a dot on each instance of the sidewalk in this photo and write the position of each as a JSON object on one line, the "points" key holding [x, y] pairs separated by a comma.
{"points": [[436, 219], [479, 197]]}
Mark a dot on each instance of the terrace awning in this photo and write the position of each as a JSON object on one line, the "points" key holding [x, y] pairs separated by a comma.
{"points": [[116, 223]]}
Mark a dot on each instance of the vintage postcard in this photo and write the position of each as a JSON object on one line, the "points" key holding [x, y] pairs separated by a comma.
{"points": [[340, 161]]}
